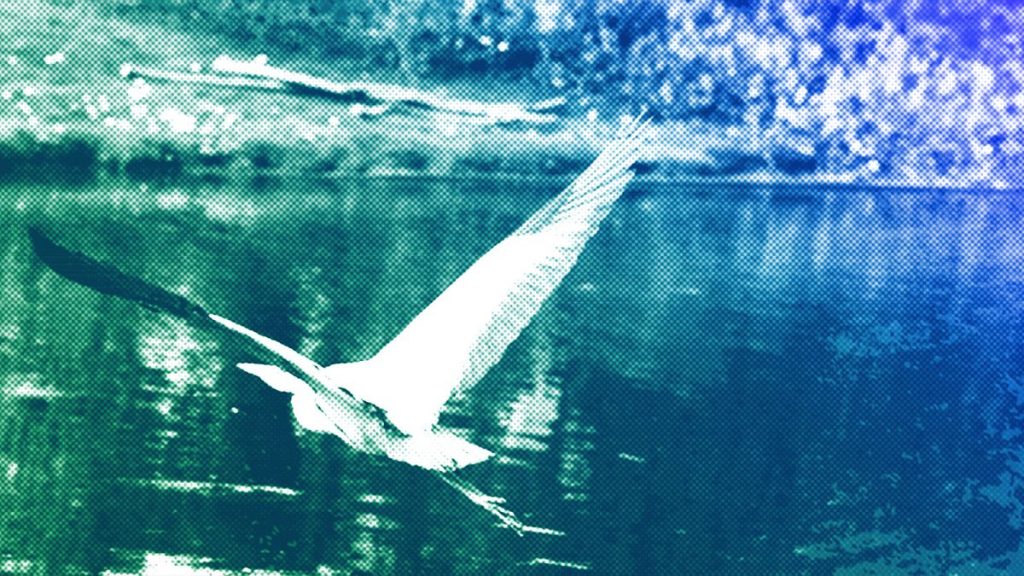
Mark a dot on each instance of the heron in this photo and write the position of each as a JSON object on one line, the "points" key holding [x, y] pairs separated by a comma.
{"points": [[389, 405]]}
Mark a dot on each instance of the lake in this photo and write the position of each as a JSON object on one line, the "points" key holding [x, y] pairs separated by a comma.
{"points": [[733, 380]]}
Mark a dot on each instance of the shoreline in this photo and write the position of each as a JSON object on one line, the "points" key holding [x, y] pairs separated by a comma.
{"points": [[371, 151]]}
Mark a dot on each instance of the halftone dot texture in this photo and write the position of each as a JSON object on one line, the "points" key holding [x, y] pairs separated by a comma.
{"points": [[793, 347]]}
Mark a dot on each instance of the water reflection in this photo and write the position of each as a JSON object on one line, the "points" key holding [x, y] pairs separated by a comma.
{"points": [[726, 377]]}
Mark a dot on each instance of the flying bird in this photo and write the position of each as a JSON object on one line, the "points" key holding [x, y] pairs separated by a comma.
{"points": [[389, 405]]}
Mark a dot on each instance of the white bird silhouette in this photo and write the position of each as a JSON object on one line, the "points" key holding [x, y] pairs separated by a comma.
{"points": [[389, 404]]}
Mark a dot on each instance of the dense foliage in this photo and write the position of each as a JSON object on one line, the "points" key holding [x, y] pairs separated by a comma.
{"points": [[852, 84]]}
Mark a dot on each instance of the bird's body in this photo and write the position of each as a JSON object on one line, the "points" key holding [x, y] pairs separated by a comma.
{"points": [[322, 405], [389, 405]]}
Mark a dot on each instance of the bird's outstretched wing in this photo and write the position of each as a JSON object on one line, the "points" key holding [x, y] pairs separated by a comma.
{"points": [[464, 332], [105, 278]]}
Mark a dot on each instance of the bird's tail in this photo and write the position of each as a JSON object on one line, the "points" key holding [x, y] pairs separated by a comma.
{"points": [[437, 451]]}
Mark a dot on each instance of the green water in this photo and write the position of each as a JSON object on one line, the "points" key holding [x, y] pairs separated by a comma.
{"points": [[731, 381]]}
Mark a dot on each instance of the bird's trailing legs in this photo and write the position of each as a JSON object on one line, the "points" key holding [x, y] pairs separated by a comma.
{"points": [[493, 505], [490, 503]]}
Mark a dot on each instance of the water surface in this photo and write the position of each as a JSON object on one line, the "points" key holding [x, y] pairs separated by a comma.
{"points": [[731, 381]]}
